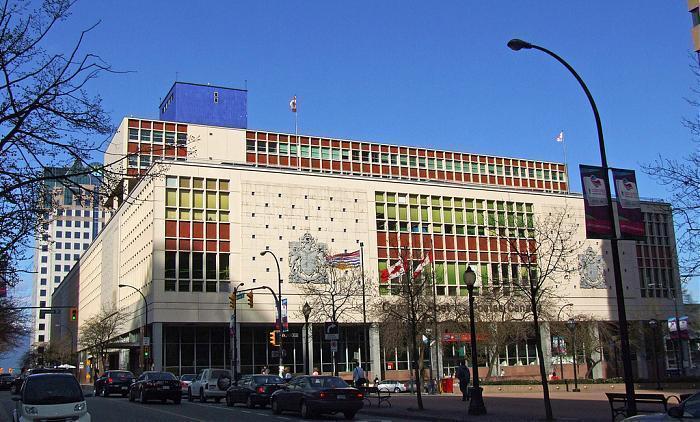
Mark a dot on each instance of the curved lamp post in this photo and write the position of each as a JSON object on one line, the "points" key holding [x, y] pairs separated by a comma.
{"points": [[561, 362], [571, 324], [654, 325], [234, 357], [279, 308], [476, 404], [306, 310], [145, 325], [516, 45]]}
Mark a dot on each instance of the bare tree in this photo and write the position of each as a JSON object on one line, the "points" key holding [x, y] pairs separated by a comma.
{"points": [[95, 334], [14, 324]]}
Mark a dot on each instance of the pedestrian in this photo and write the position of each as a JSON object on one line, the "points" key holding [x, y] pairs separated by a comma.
{"points": [[264, 370], [358, 375], [462, 375], [376, 381], [315, 373], [287, 373]]}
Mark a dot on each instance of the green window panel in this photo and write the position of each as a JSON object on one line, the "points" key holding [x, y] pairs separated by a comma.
{"points": [[133, 134], [211, 184], [403, 213], [528, 208], [459, 203], [424, 215], [530, 221], [379, 211], [171, 213], [471, 230], [211, 200], [511, 220], [539, 173], [458, 166], [284, 149], [439, 273], [500, 205], [448, 165], [412, 161], [390, 197], [385, 158], [391, 212], [479, 218], [305, 151], [482, 168], [346, 154], [184, 214], [223, 201], [197, 215], [475, 168], [479, 204], [421, 162], [460, 230], [437, 216], [451, 273], [437, 228], [185, 198], [435, 201], [413, 200], [448, 214], [499, 170], [293, 149], [336, 154], [431, 163], [379, 197], [171, 197], [484, 274], [459, 216], [501, 219], [198, 199], [315, 152], [460, 273], [424, 200], [404, 160], [508, 170], [326, 153], [440, 164], [394, 159], [184, 182]]}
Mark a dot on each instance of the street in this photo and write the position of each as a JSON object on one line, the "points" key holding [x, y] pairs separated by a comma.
{"points": [[117, 409]]}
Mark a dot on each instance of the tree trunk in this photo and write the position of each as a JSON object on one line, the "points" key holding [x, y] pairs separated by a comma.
{"points": [[416, 372], [543, 371]]}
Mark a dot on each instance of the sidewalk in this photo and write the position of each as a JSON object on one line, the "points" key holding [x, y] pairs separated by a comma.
{"points": [[592, 406]]}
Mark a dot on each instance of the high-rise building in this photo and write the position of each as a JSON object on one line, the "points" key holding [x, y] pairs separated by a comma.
{"points": [[694, 9], [74, 219]]}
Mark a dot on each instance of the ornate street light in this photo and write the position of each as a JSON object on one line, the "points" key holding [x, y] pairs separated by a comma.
{"points": [[476, 404], [571, 324], [654, 324], [306, 310]]}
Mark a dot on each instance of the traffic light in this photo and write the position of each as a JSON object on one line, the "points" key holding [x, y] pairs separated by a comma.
{"points": [[273, 338], [145, 351], [73, 314], [250, 299], [232, 301]]}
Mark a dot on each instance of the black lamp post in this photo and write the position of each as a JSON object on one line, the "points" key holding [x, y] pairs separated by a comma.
{"points": [[654, 324], [145, 325], [571, 324], [234, 363], [516, 45], [306, 310], [279, 308], [476, 404]]}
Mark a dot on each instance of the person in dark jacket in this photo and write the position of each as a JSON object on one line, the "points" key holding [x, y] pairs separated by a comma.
{"points": [[463, 376]]}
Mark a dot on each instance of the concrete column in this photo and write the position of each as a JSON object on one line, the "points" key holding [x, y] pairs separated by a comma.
{"points": [[157, 345], [596, 355], [439, 361], [546, 346], [375, 352]]}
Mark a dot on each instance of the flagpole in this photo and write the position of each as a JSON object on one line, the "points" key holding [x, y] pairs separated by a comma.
{"points": [[566, 164], [365, 358]]}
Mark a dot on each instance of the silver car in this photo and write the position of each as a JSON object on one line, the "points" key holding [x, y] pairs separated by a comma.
{"points": [[185, 381], [209, 383], [688, 409], [392, 386]]}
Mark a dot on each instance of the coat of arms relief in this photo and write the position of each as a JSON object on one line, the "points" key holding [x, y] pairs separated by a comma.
{"points": [[307, 260]]}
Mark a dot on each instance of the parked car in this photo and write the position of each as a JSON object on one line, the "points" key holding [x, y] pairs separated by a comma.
{"points": [[6, 381], [253, 390], [392, 385], [51, 396], [114, 382], [313, 395], [152, 385], [185, 381], [209, 383], [687, 409]]}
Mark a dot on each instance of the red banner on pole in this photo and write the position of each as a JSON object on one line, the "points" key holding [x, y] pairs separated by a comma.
{"points": [[595, 202], [629, 211]]}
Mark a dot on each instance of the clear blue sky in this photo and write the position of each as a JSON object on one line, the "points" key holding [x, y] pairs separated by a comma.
{"points": [[434, 74]]}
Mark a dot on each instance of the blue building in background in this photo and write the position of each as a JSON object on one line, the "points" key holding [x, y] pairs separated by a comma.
{"points": [[206, 105]]}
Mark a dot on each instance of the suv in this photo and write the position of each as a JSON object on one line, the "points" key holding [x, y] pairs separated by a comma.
{"points": [[209, 383], [51, 396], [114, 382]]}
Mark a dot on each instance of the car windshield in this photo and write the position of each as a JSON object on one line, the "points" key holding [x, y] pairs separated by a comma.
{"points": [[122, 375], [51, 389], [160, 376], [271, 379], [318, 383], [220, 373], [187, 377]]}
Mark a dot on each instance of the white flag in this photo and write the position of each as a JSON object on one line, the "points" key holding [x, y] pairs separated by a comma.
{"points": [[560, 137], [293, 104]]}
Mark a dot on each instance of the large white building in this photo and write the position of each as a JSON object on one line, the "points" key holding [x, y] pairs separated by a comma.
{"points": [[217, 196]]}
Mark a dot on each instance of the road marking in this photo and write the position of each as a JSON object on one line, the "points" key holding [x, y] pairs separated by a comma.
{"points": [[162, 411]]}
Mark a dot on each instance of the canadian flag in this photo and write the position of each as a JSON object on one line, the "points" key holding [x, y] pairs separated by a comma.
{"points": [[392, 272], [419, 269]]}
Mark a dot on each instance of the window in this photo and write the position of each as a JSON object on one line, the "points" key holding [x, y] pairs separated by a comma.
{"points": [[42, 293], [57, 279], [43, 282], [216, 97]]}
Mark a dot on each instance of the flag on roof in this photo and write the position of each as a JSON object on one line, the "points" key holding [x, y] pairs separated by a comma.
{"points": [[344, 260], [293, 104], [419, 269], [393, 271], [560, 137]]}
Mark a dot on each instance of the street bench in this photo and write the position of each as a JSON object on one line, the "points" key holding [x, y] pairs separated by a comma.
{"points": [[618, 403], [374, 393]]}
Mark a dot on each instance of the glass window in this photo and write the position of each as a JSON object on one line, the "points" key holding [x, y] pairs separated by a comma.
{"points": [[272, 147], [284, 148], [211, 200], [170, 138], [157, 136], [181, 139], [145, 135], [305, 151], [170, 264], [223, 201], [223, 266], [185, 198], [211, 266], [197, 265], [133, 134], [171, 197], [198, 199], [315, 152]]}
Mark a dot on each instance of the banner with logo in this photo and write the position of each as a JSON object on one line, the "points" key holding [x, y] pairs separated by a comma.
{"points": [[595, 202], [682, 324], [629, 211], [285, 318]]}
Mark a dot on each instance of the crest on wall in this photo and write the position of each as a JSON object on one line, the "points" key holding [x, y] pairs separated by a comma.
{"points": [[307, 260], [591, 268]]}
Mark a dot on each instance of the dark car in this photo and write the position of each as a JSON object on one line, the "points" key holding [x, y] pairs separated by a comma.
{"points": [[6, 381], [312, 395], [253, 390], [152, 385], [114, 382]]}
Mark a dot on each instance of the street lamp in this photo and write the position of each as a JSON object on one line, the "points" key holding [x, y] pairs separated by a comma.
{"points": [[571, 324], [306, 310], [145, 325], [561, 362], [654, 324], [476, 404], [234, 364], [279, 307], [516, 45]]}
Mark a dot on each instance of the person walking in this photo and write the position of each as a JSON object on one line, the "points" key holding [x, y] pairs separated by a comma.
{"points": [[358, 375], [464, 377]]}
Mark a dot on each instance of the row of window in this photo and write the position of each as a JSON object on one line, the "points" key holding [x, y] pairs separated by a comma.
{"points": [[69, 223], [69, 235], [158, 137], [196, 271], [66, 245]]}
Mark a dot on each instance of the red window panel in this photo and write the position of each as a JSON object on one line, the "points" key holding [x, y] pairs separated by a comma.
{"points": [[132, 148], [415, 240], [499, 180], [293, 161], [462, 256], [461, 243], [494, 256], [184, 229], [262, 159], [393, 240], [272, 159], [484, 256], [146, 148], [315, 141], [356, 168], [383, 254], [170, 228], [335, 144], [262, 136], [284, 161], [132, 172], [493, 244], [347, 167], [304, 140], [405, 239], [326, 164], [170, 127], [450, 176], [211, 245], [366, 168], [538, 165], [471, 243], [170, 244], [483, 244], [211, 230], [386, 170], [374, 147], [224, 247], [449, 242], [365, 147], [404, 171], [504, 257], [468, 178], [473, 256], [250, 135], [451, 255], [431, 153], [540, 184], [509, 181], [413, 173], [182, 151], [271, 136], [376, 169], [145, 124], [133, 123], [432, 174], [505, 245], [562, 186], [283, 138], [492, 180], [395, 171], [394, 150], [439, 255], [305, 162], [182, 128], [157, 125], [394, 253], [381, 238], [346, 144], [197, 245], [482, 159], [198, 230], [224, 229], [184, 244], [356, 145], [170, 151], [438, 241], [516, 182], [548, 185], [440, 154], [315, 163], [325, 142]]}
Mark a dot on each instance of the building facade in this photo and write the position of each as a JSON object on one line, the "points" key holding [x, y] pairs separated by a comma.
{"points": [[201, 203]]}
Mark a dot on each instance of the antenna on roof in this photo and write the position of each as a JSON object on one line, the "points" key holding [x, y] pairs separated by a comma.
{"points": [[246, 84], [176, 75]]}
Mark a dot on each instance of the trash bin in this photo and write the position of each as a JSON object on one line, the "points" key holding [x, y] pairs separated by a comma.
{"points": [[447, 385]]}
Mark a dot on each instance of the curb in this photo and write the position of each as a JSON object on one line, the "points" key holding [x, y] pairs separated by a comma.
{"points": [[408, 414]]}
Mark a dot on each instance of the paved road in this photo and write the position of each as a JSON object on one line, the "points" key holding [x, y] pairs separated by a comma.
{"points": [[117, 409]]}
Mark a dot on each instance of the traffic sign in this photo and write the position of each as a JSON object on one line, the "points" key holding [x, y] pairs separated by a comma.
{"points": [[334, 346], [239, 296], [331, 331], [290, 335]]}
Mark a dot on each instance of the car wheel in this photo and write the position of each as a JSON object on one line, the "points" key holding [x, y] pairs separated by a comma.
{"points": [[229, 403], [305, 411], [177, 400], [202, 397], [217, 399], [275, 407], [349, 415], [397, 390], [249, 402], [105, 393], [131, 396], [124, 395], [189, 395], [142, 397]]}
